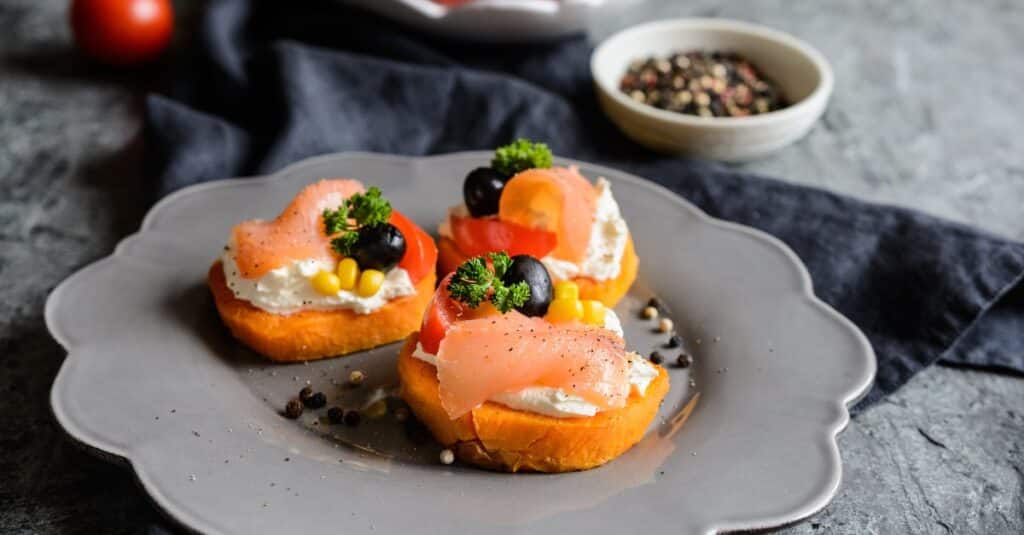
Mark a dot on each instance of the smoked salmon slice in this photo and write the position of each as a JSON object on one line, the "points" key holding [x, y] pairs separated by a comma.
{"points": [[297, 234], [479, 358], [556, 199]]}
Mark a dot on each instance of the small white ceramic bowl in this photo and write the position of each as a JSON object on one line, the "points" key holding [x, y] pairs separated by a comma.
{"points": [[799, 70], [491, 20]]}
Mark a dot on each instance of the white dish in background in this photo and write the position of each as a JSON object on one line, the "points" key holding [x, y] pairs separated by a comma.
{"points": [[490, 20], [800, 71]]}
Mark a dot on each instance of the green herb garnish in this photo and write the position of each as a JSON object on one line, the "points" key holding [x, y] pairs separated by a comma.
{"points": [[336, 221], [520, 155], [364, 210], [370, 208], [474, 282], [345, 244]]}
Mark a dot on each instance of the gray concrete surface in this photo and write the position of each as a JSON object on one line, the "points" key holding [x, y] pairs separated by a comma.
{"points": [[925, 115]]}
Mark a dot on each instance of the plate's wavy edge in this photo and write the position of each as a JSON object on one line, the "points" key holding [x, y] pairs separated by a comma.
{"points": [[844, 400], [106, 450]]}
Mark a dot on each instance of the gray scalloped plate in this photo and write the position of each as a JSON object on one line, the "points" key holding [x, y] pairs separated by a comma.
{"points": [[153, 379]]}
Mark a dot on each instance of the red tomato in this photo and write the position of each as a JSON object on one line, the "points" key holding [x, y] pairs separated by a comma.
{"points": [[477, 236], [420, 250], [122, 32], [441, 313]]}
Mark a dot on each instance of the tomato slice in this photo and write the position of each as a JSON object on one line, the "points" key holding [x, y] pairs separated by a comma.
{"points": [[444, 311], [476, 236], [441, 313], [420, 250]]}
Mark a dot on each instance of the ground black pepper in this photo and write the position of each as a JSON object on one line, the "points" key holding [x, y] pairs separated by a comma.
{"points": [[703, 83]]}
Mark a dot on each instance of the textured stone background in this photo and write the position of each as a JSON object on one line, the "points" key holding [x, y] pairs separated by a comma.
{"points": [[926, 114]]}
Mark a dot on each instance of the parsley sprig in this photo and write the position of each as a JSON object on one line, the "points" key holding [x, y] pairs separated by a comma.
{"points": [[359, 210], [520, 155], [474, 282]]}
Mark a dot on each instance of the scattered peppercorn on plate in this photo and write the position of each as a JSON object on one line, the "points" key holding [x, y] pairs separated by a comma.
{"points": [[167, 365]]}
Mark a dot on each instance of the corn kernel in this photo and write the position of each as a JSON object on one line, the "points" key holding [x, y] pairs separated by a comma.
{"points": [[593, 312], [370, 282], [562, 310], [567, 290], [326, 283], [348, 273]]}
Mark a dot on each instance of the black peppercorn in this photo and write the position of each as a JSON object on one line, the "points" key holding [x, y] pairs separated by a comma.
{"points": [[293, 409], [656, 303], [674, 341], [657, 358], [336, 415], [352, 418], [316, 400], [305, 393], [684, 360]]}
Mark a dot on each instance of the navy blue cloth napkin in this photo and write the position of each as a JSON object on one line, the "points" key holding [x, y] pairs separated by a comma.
{"points": [[271, 83]]}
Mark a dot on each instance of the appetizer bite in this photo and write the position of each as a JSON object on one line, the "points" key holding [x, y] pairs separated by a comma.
{"points": [[521, 204], [338, 271], [513, 373]]}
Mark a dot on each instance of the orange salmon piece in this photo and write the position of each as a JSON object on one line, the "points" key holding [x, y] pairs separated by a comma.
{"points": [[297, 234], [479, 358], [559, 200]]}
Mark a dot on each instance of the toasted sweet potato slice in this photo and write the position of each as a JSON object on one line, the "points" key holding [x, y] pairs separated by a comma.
{"points": [[316, 334]]}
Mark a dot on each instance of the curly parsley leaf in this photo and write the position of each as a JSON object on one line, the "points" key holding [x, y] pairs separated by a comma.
{"points": [[364, 210], [474, 282], [370, 208], [471, 281], [520, 155], [506, 298], [336, 221], [345, 243], [501, 262]]}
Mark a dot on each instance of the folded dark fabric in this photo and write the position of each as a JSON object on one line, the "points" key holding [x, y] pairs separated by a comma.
{"points": [[267, 85]]}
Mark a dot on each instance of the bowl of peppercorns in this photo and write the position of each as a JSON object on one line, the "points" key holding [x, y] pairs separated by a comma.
{"points": [[711, 88]]}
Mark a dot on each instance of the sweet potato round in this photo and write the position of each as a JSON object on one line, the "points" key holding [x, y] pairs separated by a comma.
{"points": [[608, 292], [317, 334], [495, 437]]}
